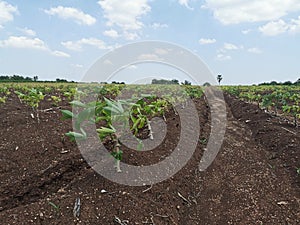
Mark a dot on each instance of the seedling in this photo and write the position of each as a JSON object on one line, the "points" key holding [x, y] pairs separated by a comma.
{"points": [[56, 207], [294, 110], [32, 98], [3, 99], [56, 100], [203, 141], [115, 117]]}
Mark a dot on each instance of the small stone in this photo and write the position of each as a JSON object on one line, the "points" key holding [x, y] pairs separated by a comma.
{"points": [[103, 191], [61, 191], [282, 203]]}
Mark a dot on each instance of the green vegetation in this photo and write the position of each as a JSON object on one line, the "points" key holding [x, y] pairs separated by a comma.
{"points": [[279, 100], [135, 112]]}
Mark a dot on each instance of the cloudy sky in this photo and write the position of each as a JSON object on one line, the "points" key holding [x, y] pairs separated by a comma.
{"points": [[247, 41]]}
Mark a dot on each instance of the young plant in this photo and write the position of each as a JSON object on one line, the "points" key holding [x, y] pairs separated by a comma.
{"points": [[294, 110], [115, 115], [56, 100], [3, 99], [33, 98], [113, 112]]}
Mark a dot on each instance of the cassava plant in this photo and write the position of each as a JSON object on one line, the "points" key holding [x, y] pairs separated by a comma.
{"points": [[115, 115], [33, 97]]}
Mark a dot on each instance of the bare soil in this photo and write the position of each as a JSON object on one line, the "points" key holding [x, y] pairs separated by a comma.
{"points": [[253, 180]]}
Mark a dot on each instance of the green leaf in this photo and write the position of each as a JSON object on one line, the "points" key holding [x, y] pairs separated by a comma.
{"points": [[134, 127], [67, 114], [117, 106], [78, 104], [111, 110], [117, 155], [142, 123], [76, 136], [85, 115], [140, 146], [101, 118], [133, 119], [105, 130]]}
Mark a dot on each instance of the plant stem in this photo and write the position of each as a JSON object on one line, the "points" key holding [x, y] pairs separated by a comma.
{"points": [[150, 130], [117, 160]]}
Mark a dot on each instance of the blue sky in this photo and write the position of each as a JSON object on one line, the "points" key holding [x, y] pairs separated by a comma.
{"points": [[247, 41]]}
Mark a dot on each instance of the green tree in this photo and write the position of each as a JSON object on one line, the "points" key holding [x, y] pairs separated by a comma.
{"points": [[219, 78], [186, 82]]}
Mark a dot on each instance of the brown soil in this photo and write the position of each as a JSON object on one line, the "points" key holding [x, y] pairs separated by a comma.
{"points": [[253, 180]]}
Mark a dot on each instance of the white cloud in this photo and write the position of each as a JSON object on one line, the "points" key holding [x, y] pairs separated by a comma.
{"points": [[229, 46], [60, 54], [246, 31], [295, 25], [7, 12], [27, 31], [78, 45], [131, 36], [77, 65], [185, 3], [23, 42], [222, 53], [111, 33], [254, 50], [239, 11], [156, 26], [161, 51], [72, 13], [222, 57], [125, 14], [205, 41], [275, 28], [149, 57], [29, 43]]}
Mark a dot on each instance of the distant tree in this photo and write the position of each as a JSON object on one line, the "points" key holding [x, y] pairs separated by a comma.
{"points": [[35, 78], [58, 80], [162, 81], [174, 81], [297, 82], [219, 78], [288, 83], [206, 84], [116, 82], [186, 82], [274, 83], [28, 79], [4, 78]]}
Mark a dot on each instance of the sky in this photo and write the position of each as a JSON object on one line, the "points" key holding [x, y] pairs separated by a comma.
{"points": [[247, 41]]}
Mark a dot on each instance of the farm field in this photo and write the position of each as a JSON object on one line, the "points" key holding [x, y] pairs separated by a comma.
{"points": [[255, 178]]}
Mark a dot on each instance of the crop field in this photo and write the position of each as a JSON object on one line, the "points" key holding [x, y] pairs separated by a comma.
{"points": [[47, 179]]}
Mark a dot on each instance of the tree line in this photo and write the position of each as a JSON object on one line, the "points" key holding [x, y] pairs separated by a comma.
{"points": [[281, 83], [18, 78]]}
